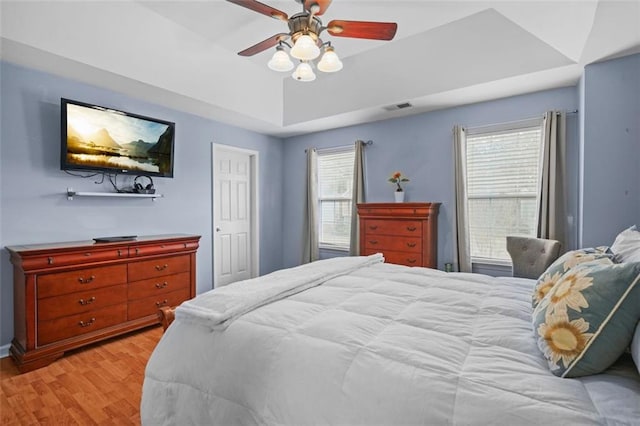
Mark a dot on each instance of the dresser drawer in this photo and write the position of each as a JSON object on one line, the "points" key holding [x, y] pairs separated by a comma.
{"points": [[164, 248], [386, 242], [75, 325], [397, 257], [149, 306], [84, 301], [158, 286], [158, 267], [88, 255], [56, 284], [393, 227]]}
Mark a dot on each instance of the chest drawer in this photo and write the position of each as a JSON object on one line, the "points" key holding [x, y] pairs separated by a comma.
{"points": [[75, 325], [157, 286], [149, 305], [83, 301], [56, 284], [158, 267], [398, 257], [386, 242], [393, 227]]}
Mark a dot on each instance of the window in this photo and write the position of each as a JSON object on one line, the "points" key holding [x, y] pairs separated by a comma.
{"points": [[503, 173], [335, 184]]}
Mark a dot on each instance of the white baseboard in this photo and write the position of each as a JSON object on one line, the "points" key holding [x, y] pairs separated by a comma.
{"points": [[4, 350]]}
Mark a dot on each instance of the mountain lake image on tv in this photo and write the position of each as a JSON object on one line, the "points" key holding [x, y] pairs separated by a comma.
{"points": [[104, 139]]}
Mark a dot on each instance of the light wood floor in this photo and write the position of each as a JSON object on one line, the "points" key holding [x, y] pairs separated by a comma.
{"points": [[97, 385]]}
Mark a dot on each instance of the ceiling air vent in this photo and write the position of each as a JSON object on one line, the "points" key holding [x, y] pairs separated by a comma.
{"points": [[398, 106]]}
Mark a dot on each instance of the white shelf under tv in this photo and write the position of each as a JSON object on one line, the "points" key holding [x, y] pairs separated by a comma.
{"points": [[71, 193]]}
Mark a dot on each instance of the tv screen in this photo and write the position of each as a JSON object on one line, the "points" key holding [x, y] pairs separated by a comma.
{"points": [[97, 138]]}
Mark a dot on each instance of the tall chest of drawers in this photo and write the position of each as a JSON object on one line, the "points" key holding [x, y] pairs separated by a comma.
{"points": [[67, 295], [405, 233]]}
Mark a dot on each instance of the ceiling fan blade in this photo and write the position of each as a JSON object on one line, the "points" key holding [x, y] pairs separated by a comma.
{"points": [[261, 8], [321, 5], [363, 29], [264, 45]]}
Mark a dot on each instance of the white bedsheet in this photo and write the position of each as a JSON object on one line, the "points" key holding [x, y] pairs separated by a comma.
{"points": [[386, 345]]}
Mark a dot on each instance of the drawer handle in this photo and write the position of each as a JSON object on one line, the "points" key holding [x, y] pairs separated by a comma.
{"points": [[87, 254], [161, 267], [88, 323], [163, 303], [411, 260], [411, 244], [119, 253], [161, 285], [88, 301], [50, 260], [373, 227], [373, 241], [86, 280], [411, 228], [137, 251]]}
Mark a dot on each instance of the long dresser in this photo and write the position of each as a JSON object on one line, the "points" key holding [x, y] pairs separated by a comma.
{"points": [[405, 233], [68, 295]]}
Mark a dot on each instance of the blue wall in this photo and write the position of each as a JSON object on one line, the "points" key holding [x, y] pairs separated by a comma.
{"points": [[610, 145], [421, 146], [603, 152], [33, 201]]}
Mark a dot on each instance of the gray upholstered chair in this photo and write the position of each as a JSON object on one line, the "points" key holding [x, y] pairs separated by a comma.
{"points": [[531, 256]]}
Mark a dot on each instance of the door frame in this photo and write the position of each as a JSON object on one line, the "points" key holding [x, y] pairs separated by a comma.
{"points": [[254, 157]]}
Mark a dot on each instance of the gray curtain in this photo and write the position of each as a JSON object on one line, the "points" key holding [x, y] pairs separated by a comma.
{"points": [[552, 210], [357, 196], [462, 253], [311, 249]]}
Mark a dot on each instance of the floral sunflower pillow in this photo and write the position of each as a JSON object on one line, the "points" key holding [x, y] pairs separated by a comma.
{"points": [[550, 277], [587, 320]]}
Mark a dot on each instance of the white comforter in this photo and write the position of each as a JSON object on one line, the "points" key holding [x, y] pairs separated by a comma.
{"points": [[377, 344]]}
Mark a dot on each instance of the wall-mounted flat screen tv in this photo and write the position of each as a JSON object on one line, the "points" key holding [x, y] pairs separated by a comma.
{"points": [[96, 138]]}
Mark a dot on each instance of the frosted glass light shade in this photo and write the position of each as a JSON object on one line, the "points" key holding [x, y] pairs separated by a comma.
{"points": [[330, 61], [280, 61], [304, 73], [305, 48]]}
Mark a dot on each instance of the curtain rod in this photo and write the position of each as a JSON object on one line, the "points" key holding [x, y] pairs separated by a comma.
{"points": [[507, 123], [369, 142]]}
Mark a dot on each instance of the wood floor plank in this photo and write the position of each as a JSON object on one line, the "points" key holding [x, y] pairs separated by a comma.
{"points": [[97, 385]]}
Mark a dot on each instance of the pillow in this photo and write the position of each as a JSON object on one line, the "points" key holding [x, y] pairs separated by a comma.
{"points": [[635, 347], [587, 320], [562, 264], [626, 246]]}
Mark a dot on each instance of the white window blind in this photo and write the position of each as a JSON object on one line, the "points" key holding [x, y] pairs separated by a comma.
{"points": [[503, 172], [335, 185]]}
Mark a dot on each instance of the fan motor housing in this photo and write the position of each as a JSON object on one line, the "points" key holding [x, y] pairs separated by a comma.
{"points": [[301, 24]]}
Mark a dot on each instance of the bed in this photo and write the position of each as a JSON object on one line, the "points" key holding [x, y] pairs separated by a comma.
{"points": [[357, 341]]}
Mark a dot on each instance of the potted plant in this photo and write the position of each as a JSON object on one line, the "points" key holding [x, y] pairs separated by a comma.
{"points": [[397, 178]]}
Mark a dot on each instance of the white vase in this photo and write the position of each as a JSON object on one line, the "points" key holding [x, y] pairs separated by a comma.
{"points": [[399, 196]]}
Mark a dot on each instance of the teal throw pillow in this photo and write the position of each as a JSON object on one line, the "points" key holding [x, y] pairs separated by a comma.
{"points": [[568, 260], [587, 320]]}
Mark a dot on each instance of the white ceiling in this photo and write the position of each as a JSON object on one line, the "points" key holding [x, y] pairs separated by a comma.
{"points": [[183, 54]]}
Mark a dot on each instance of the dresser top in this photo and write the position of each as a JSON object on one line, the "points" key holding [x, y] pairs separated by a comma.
{"points": [[142, 239]]}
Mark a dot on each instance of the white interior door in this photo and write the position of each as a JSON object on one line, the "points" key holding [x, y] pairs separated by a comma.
{"points": [[234, 200]]}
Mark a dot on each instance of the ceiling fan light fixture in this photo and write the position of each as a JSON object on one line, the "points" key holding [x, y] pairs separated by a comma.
{"points": [[280, 61], [330, 61], [304, 72], [305, 48]]}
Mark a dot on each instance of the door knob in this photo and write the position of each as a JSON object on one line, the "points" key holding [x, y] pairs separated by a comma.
{"points": [[218, 229]]}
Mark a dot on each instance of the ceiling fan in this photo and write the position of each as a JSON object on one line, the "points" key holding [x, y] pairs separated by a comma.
{"points": [[304, 31]]}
